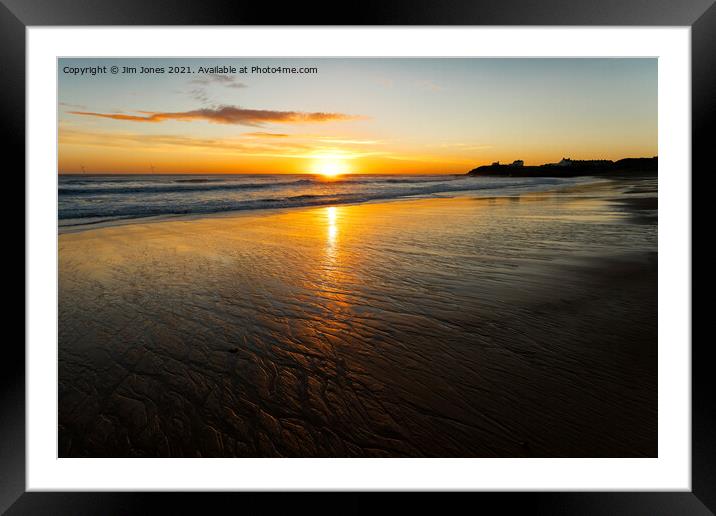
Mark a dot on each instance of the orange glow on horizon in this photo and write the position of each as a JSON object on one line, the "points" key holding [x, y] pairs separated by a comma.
{"points": [[104, 152], [358, 116], [330, 166]]}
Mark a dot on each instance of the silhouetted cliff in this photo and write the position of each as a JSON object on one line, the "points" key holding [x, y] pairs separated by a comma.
{"points": [[573, 168]]}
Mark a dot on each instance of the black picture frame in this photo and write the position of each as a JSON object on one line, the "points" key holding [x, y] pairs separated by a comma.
{"points": [[16, 15]]}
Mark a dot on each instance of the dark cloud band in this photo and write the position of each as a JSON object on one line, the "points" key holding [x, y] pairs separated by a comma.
{"points": [[228, 115]]}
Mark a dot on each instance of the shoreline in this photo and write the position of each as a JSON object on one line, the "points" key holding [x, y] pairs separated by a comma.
{"points": [[77, 228]]}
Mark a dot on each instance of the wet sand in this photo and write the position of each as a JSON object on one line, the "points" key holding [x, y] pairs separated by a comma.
{"points": [[461, 327]]}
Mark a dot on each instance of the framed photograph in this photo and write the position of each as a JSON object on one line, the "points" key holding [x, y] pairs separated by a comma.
{"points": [[442, 248]]}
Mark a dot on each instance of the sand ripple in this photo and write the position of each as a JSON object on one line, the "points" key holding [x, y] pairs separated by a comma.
{"points": [[520, 326]]}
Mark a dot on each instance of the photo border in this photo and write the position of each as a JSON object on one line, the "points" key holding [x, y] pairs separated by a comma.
{"points": [[16, 15]]}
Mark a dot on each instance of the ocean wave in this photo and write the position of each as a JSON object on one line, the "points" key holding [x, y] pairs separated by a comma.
{"points": [[177, 186], [129, 206], [154, 186]]}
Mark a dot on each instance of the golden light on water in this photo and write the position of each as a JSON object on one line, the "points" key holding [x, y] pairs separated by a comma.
{"points": [[331, 214]]}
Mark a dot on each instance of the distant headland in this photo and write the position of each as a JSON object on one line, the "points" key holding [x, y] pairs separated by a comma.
{"points": [[572, 168]]}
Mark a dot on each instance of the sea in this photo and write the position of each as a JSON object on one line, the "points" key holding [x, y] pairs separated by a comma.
{"points": [[86, 200]]}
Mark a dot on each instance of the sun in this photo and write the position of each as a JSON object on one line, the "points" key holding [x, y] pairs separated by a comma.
{"points": [[330, 167]]}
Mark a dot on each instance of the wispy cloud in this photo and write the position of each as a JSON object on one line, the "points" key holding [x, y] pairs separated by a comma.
{"points": [[459, 146], [428, 85], [128, 140], [348, 141], [337, 140], [385, 82], [216, 78], [266, 135], [199, 87], [227, 115], [199, 94], [74, 106], [236, 146]]}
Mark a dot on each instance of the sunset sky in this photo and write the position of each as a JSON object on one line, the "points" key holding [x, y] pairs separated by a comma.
{"points": [[355, 115]]}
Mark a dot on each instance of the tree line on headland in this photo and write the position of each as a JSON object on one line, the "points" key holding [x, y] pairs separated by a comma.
{"points": [[572, 168]]}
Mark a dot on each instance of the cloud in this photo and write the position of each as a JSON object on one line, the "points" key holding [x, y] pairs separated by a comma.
{"points": [[314, 138], [74, 106], [199, 90], [216, 78], [266, 135], [386, 83], [153, 142], [199, 94], [227, 115], [347, 141], [428, 85], [459, 146], [234, 146]]}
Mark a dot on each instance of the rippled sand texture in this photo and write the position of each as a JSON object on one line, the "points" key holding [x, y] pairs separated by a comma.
{"points": [[522, 326]]}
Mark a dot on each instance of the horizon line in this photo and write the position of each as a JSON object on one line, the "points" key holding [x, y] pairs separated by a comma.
{"points": [[155, 173]]}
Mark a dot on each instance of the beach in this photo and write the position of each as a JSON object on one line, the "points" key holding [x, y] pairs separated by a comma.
{"points": [[515, 325]]}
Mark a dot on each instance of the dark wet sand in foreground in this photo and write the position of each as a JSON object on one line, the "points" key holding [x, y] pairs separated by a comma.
{"points": [[509, 327]]}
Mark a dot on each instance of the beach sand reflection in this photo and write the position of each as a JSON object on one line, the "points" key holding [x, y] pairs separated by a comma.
{"points": [[439, 327], [332, 218]]}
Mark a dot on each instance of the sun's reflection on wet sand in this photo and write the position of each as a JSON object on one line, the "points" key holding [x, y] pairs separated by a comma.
{"points": [[334, 277], [331, 216], [387, 329]]}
